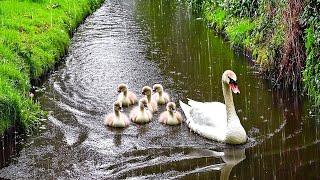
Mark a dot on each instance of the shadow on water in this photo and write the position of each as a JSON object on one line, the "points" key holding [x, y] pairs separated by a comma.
{"points": [[142, 42], [8, 146]]}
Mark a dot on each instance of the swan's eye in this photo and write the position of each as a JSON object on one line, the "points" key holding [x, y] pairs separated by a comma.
{"points": [[231, 81]]}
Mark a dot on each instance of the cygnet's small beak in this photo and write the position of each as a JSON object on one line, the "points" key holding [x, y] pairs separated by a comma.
{"points": [[119, 91], [154, 90], [121, 110], [143, 93]]}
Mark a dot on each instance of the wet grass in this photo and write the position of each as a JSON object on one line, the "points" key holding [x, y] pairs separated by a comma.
{"points": [[262, 35], [217, 18], [239, 32], [34, 34]]}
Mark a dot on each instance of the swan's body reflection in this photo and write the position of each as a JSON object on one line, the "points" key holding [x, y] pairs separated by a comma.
{"points": [[230, 156]]}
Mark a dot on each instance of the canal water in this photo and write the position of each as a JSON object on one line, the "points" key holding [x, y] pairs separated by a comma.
{"points": [[143, 42]]}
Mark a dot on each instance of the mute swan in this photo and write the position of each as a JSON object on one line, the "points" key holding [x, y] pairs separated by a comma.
{"points": [[160, 96], [116, 119], [171, 116], [215, 120], [141, 113], [126, 97], [152, 105]]}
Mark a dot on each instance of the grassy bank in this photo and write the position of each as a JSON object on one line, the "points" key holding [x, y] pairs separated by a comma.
{"points": [[282, 36], [34, 35]]}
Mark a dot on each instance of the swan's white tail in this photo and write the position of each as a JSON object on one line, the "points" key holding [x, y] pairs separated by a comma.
{"points": [[186, 110]]}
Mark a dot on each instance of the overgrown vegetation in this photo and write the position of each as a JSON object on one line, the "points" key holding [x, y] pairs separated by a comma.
{"points": [[254, 25], [34, 34], [273, 31], [311, 74]]}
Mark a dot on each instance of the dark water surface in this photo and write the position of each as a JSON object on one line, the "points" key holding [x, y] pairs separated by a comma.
{"points": [[142, 42]]}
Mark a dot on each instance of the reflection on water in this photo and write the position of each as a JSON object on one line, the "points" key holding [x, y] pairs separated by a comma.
{"points": [[230, 157], [142, 42], [8, 146]]}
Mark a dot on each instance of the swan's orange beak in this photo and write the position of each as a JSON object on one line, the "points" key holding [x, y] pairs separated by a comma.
{"points": [[234, 88]]}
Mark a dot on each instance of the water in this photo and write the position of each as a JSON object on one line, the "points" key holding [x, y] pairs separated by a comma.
{"points": [[142, 42]]}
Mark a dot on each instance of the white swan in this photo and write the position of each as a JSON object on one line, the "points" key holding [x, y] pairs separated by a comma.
{"points": [[159, 95], [215, 120]]}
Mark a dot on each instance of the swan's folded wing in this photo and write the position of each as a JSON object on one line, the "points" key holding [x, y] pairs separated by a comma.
{"points": [[209, 113], [215, 133]]}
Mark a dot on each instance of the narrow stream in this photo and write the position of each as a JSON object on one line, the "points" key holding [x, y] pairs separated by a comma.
{"points": [[143, 42]]}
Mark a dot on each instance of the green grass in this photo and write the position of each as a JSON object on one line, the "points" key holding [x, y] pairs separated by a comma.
{"points": [[311, 72], [216, 17], [261, 35], [238, 31], [34, 34], [219, 17]]}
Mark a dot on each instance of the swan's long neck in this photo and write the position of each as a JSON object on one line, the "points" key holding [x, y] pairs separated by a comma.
{"points": [[228, 99]]}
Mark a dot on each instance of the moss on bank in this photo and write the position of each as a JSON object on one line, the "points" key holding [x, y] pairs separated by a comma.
{"points": [[34, 34], [283, 36]]}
